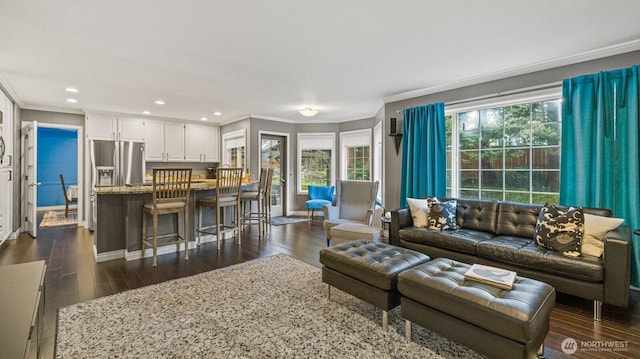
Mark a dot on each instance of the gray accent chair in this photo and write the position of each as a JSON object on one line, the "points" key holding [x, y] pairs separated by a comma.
{"points": [[355, 203]]}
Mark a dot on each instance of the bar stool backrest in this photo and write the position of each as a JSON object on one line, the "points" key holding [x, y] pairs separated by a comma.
{"points": [[264, 181], [228, 182], [171, 185]]}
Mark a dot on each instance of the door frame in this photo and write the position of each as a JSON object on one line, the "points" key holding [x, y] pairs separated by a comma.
{"points": [[80, 158], [287, 192]]}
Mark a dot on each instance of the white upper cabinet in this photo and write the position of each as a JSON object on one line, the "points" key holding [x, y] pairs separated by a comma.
{"points": [[174, 141], [130, 129], [154, 140], [101, 127], [201, 143], [211, 143], [164, 141]]}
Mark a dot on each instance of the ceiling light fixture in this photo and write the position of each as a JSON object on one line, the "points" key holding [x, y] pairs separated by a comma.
{"points": [[71, 89], [217, 113], [72, 100], [159, 102], [308, 112], [145, 112], [203, 118]]}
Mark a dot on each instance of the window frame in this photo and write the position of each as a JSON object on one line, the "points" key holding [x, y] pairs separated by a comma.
{"points": [[303, 137], [231, 137], [530, 97], [350, 139], [378, 158]]}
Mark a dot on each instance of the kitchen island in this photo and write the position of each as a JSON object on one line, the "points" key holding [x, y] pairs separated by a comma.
{"points": [[118, 229]]}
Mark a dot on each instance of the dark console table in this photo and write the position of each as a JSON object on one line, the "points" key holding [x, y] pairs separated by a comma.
{"points": [[21, 306]]}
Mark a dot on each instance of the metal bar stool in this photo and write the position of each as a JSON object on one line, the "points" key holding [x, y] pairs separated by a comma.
{"points": [[258, 196], [227, 195], [171, 187]]}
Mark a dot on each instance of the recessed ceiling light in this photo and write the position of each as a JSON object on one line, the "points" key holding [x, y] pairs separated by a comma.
{"points": [[203, 118], [71, 89], [146, 112], [308, 112], [159, 102], [72, 100], [217, 113]]}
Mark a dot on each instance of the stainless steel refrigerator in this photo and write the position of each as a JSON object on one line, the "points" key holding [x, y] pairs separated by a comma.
{"points": [[114, 163]]}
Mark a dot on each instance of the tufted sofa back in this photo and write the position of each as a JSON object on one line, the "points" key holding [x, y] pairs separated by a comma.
{"points": [[478, 215], [504, 218], [517, 219]]}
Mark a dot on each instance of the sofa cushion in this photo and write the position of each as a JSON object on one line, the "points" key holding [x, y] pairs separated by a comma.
{"points": [[560, 230], [460, 240], [526, 253], [477, 215], [517, 219], [441, 215]]}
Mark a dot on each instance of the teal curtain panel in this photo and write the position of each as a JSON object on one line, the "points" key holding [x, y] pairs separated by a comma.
{"points": [[423, 153], [600, 165]]}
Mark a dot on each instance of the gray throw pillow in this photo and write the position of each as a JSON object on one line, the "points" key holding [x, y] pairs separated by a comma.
{"points": [[559, 230], [441, 215]]}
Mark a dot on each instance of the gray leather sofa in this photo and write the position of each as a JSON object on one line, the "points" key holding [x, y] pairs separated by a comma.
{"points": [[501, 234]]}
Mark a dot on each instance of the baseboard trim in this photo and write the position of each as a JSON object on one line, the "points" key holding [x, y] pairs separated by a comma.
{"points": [[148, 252], [108, 256]]}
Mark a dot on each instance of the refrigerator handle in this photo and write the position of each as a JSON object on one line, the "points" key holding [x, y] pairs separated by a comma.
{"points": [[116, 162]]}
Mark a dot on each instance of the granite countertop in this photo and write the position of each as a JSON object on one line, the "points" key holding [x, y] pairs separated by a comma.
{"points": [[196, 185]]}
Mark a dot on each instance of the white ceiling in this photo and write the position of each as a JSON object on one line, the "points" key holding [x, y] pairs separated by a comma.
{"points": [[270, 58]]}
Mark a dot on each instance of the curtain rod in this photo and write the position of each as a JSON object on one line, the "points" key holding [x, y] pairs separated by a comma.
{"points": [[500, 94]]}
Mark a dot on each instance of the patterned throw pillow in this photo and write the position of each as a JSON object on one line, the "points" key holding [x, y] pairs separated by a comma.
{"points": [[441, 215], [559, 230]]}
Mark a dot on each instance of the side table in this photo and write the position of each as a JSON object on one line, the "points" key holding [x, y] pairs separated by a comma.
{"points": [[386, 226]]}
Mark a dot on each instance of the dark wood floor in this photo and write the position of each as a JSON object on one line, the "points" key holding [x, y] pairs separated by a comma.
{"points": [[73, 276]]}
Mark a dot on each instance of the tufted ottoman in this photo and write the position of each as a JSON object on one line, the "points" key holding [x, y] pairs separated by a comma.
{"points": [[368, 270], [496, 322]]}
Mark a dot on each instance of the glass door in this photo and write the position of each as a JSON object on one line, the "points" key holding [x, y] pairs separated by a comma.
{"points": [[273, 155]]}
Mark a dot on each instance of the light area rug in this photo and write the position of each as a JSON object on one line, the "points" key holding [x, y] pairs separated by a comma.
{"points": [[282, 220], [273, 307], [57, 218]]}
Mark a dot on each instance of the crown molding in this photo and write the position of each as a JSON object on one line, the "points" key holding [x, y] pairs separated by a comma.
{"points": [[521, 70], [53, 109], [4, 86]]}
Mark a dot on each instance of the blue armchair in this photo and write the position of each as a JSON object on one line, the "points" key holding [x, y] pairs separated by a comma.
{"points": [[318, 197]]}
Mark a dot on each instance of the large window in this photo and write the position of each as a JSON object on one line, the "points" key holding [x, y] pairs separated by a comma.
{"points": [[377, 157], [356, 155], [315, 160], [507, 153]]}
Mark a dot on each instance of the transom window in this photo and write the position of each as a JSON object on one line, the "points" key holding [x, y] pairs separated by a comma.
{"points": [[507, 153]]}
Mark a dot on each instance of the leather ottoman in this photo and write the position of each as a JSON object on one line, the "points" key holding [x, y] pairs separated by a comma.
{"points": [[496, 322], [368, 270]]}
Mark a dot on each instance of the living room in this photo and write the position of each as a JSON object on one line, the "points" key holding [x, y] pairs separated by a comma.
{"points": [[508, 78]]}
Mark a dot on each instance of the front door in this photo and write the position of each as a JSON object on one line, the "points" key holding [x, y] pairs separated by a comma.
{"points": [[273, 155], [30, 176]]}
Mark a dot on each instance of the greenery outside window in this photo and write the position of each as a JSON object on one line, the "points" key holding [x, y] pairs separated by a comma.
{"points": [[358, 163], [316, 155], [356, 155], [506, 153]]}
